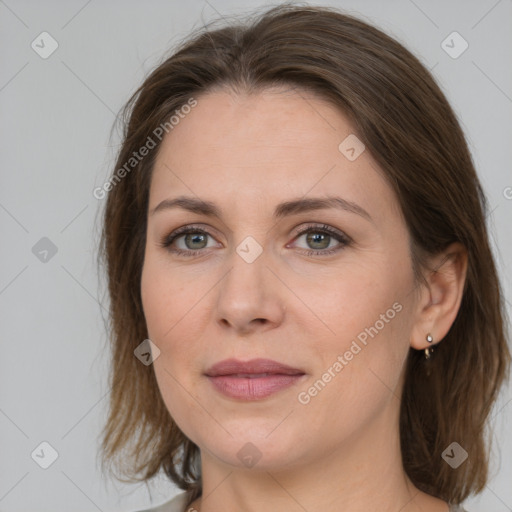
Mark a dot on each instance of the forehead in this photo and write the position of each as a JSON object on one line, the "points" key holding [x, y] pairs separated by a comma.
{"points": [[273, 144]]}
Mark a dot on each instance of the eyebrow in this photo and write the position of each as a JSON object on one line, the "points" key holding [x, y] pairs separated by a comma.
{"points": [[284, 209]]}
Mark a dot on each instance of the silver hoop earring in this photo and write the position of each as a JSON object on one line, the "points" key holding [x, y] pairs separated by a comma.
{"points": [[429, 350]]}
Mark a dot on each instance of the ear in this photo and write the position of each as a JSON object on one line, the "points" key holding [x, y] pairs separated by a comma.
{"points": [[440, 299]]}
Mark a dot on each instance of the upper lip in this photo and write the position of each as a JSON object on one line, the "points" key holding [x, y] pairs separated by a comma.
{"points": [[254, 366]]}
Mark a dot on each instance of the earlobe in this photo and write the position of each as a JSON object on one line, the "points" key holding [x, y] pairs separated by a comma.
{"points": [[441, 297]]}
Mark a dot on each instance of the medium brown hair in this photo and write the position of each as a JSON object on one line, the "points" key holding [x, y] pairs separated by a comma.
{"points": [[405, 121]]}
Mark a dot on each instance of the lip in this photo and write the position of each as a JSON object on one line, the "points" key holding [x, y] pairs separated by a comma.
{"points": [[252, 380], [254, 366]]}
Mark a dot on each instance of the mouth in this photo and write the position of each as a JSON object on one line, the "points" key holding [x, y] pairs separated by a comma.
{"points": [[251, 369], [252, 380], [249, 375]]}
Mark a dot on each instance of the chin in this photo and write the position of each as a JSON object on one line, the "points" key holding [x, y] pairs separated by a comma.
{"points": [[255, 447]]}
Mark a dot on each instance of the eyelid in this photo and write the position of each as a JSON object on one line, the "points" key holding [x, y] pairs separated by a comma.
{"points": [[342, 238], [301, 229], [320, 226], [166, 240], [336, 234], [191, 227]]}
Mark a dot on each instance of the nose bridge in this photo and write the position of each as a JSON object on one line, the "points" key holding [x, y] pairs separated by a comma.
{"points": [[246, 279], [247, 291]]}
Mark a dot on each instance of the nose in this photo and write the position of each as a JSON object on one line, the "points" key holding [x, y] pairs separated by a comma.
{"points": [[250, 297]]}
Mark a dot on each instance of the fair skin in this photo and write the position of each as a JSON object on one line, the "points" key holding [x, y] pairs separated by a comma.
{"points": [[340, 450]]}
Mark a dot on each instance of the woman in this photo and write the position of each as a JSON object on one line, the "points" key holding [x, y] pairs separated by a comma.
{"points": [[305, 310]]}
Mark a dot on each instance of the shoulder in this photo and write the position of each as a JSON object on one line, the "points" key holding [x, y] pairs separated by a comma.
{"points": [[457, 508], [176, 504]]}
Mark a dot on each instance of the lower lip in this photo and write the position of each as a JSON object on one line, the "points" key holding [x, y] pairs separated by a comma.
{"points": [[252, 389]]}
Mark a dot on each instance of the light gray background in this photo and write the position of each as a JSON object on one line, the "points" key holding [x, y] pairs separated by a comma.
{"points": [[55, 119]]}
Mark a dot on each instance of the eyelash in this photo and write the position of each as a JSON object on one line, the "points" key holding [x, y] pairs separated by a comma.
{"points": [[343, 240]]}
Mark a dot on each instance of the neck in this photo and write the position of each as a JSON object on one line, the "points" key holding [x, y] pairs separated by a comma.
{"points": [[363, 473]]}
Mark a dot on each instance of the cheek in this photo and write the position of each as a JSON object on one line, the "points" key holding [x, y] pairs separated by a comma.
{"points": [[171, 324], [362, 354], [164, 299], [167, 304], [365, 303]]}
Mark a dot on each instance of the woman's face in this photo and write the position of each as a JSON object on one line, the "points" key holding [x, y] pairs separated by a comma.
{"points": [[336, 306]]}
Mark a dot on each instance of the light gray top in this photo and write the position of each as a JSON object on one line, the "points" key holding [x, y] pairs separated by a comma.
{"points": [[177, 504]]}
